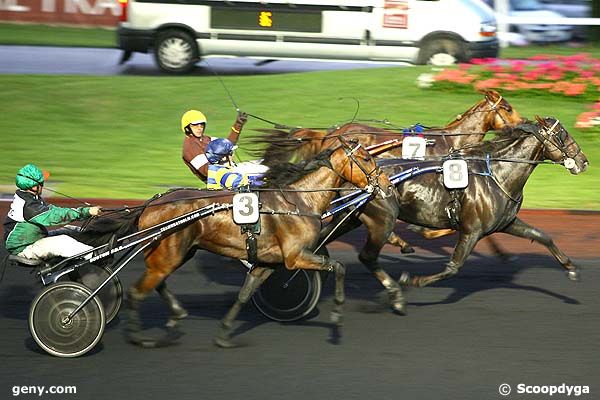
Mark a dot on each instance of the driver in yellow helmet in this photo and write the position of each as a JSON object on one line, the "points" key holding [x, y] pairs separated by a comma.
{"points": [[193, 124]]}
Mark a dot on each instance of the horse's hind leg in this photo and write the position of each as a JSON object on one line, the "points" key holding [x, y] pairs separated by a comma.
{"points": [[177, 310], [499, 251], [397, 241], [157, 269], [254, 279], [524, 230], [464, 247]]}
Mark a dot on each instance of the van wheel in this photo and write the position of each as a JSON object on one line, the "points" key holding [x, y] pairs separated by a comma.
{"points": [[175, 51], [441, 52]]}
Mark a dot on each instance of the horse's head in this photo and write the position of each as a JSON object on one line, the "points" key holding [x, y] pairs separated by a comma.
{"points": [[357, 166], [497, 112], [559, 145]]}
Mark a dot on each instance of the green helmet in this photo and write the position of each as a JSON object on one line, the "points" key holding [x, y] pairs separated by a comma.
{"points": [[29, 176]]}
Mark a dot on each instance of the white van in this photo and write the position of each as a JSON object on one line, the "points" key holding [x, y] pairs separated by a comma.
{"points": [[180, 32]]}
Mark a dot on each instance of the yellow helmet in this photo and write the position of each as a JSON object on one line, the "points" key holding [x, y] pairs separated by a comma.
{"points": [[192, 117]]}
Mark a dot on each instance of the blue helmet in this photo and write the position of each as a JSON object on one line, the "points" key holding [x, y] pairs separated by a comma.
{"points": [[218, 149]]}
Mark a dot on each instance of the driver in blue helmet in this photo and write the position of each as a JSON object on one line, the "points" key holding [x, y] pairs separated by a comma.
{"points": [[224, 173], [221, 173], [25, 227]]}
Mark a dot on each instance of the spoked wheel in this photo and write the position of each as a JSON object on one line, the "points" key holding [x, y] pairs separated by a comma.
{"points": [[289, 295], [92, 276], [51, 328]]}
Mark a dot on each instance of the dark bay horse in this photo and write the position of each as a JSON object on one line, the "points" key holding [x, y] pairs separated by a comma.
{"points": [[491, 200], [292, 203]]}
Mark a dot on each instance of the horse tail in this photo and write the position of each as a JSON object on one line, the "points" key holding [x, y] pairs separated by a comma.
{"points": [[98, 231]]}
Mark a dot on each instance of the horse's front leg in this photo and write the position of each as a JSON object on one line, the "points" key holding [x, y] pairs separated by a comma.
{"points": [[307, 260], [254, 279], [464, 247], [379, 228], [524, 230]]}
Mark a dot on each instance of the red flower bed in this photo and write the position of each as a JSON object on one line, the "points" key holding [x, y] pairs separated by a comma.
{"points": [[573, 76]]}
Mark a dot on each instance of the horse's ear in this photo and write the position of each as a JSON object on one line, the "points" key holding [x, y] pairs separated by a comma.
{"points": [[540, 120]]}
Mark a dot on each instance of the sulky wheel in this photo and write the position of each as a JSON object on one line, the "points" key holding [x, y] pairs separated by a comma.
{"points": [[92, 276], [286, 299], [54, 332]]}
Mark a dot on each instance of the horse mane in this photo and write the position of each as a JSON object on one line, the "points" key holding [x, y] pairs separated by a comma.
{"points": [[462, 115], [286, 173], [280, 145], [507, 134]]}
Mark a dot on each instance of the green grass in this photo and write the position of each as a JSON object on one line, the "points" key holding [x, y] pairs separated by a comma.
{"points": [[120, 136], [44, 35]]}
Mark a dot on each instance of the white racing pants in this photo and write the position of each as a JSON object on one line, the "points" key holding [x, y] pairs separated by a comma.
{"points": [[55, 246]]}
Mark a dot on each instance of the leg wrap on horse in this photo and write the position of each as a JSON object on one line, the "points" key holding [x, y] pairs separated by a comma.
{"points": [[451, 268], [134, 299], [176, 308]]}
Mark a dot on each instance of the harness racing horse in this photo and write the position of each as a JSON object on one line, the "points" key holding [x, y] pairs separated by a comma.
{"points": [[292, 202], [491, 200], [379, 215]]}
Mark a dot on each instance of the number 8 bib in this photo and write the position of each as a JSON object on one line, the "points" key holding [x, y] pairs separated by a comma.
{"points": [[456, 174]]}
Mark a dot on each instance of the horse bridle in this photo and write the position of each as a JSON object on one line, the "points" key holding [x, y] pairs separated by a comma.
{"points": [[372, 177], [553, 137]]}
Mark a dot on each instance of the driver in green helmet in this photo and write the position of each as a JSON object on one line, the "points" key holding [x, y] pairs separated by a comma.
{"points": [[25, 227]]}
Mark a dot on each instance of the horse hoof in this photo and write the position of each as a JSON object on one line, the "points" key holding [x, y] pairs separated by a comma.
{"points": [[408, 249], [224, 343], [180, 313], [399, 307], [141, 340], [573, 275], [404, 279], [172, 322]]}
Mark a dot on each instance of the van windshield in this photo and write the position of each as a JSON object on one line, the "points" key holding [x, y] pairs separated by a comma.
{"points": [[480, 7], [525, 5]]}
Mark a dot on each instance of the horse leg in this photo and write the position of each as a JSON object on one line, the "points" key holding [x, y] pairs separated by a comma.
{"points": [[430, 233], [376, 238], [177, 310], [464, 247], [397, 241], [156, 272], [254, 279], [307, 260], [499, 251], [524, 230], [136, 295]]}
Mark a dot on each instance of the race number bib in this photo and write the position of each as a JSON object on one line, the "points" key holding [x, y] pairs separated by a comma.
{"points": [[456, 174], [413, 147], [245, 208]]}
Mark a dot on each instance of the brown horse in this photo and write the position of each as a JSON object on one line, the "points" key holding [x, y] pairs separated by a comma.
{"points": [[291, 207], [492, 199], [379, 216]]}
